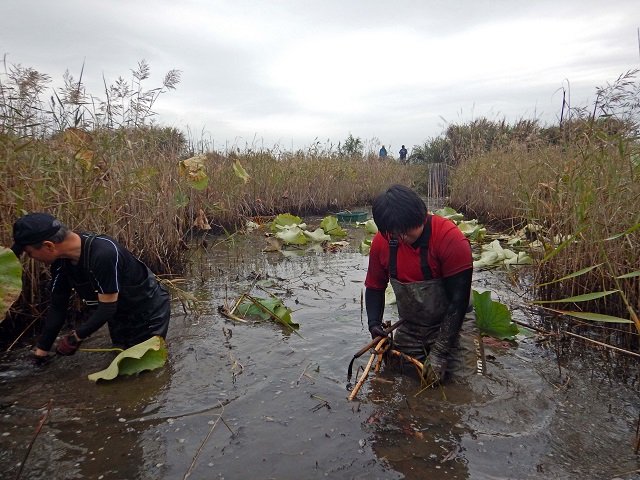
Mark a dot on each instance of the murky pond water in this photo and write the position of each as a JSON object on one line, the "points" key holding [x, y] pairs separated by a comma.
{"points": [[241, 401]]}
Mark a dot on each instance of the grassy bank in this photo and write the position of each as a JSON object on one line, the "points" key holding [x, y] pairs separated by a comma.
{"points": [[583, 191]]}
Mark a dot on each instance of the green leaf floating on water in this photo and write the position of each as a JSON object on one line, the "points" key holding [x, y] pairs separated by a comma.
{"points": [[317, 235], [10, 280], [330, 225], [148, 355], [450, 213], [493, 318], [284, 219], [267, 308], [292, 234]]}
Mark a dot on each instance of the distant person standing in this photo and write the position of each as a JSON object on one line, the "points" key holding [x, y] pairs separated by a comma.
{"points": [[403, 155], [383, 152]]}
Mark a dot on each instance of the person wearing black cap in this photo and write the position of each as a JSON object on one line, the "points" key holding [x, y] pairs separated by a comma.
{"points": [[122, 291]]}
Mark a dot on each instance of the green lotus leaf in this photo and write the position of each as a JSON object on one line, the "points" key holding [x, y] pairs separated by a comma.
{"points": [[493, 318], [330, 225], [450, 213], [10, 280], [371, 227], [148, 355], [365, 246], [317, 235], [267, 308], [292, 235], [284, 219]]}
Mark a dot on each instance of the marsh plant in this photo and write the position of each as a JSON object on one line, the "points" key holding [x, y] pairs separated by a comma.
{"points": [[101, 164], [580, 182]]}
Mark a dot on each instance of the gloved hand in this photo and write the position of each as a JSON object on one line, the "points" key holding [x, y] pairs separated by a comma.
{"points": [[435, 367], [377, 331], [68, 345]]}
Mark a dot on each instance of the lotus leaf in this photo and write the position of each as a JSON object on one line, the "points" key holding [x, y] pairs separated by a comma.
{"points": [[194, 171], [267, 308], [493, 318], [148, 355], [292, 234], [330, 225], [10, 280], [240, 172], [449, 213], [317, 235], [365, 246], [285, 219]]}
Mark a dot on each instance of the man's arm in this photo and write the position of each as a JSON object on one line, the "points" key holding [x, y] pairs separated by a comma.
{"points": [[57, 313], [374, 302], [107, 308], [458, 289]]}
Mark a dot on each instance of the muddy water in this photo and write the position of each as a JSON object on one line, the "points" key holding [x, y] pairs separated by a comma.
{"points": [[241, 401]]}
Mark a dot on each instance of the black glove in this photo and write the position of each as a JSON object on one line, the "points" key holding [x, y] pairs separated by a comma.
{"points": [[436, 365], [68, 345], [377, 331]]}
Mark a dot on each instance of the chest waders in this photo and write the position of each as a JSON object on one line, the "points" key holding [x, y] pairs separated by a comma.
{"points": [[143, 310], [422, 305]]}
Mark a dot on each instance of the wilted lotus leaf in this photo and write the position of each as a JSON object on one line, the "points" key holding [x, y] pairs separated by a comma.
{"points": [[201, 221], [240, 172], [193, 169], [10, 280], [148, 355], [77, 138], [84, 157]]}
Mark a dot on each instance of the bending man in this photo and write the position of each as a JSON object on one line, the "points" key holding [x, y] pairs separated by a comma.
{"points": [[428, 261], [122, 291]]}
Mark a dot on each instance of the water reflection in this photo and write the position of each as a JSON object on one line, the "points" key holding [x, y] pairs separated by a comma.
{"points": [[518, 421]]}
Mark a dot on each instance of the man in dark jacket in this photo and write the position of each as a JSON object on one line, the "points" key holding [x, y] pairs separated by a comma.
{"points": [[428, 261], [122, 291]]}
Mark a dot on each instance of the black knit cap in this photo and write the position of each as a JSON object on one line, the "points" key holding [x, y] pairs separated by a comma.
{"points": [[33, 228]]}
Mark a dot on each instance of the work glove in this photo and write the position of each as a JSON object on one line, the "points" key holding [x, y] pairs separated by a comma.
{"points": [[377, 331], [68, 345], [435, 368]]}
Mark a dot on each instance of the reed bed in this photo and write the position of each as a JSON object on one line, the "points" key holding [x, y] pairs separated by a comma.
{"points": [[585, 194]]}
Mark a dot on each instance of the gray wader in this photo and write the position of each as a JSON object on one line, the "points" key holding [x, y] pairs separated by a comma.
{"points": [[143, 310], [423, 306]]}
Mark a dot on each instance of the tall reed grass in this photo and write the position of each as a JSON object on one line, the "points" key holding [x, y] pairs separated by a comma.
{"points": [[99, 166], [582, 186]]}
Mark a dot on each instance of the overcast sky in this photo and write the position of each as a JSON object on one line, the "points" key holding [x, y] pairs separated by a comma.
{"points": [[290, 71]]}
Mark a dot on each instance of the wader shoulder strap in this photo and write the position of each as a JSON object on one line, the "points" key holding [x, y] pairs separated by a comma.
{"points": [[424, 251], [86, 249]]}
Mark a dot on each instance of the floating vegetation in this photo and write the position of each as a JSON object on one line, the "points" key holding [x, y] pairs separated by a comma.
{"points": [[148, 355], [10, 280]]}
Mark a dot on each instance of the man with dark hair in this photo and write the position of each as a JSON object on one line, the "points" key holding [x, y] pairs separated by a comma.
{"points": [[428, 261], [122, 291]]}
